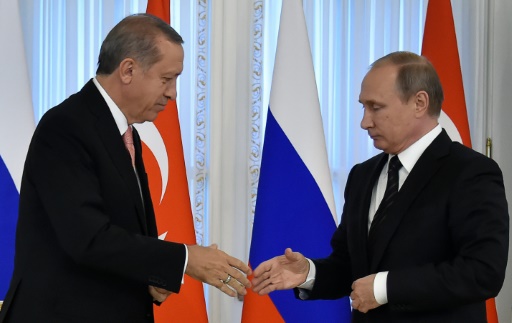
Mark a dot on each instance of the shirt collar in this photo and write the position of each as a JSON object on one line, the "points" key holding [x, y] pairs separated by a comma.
{"points": [[119, 118], [410, 156]]}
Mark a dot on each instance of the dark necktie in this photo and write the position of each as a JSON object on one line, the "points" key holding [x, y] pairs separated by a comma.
{"points": [[389, 194]]}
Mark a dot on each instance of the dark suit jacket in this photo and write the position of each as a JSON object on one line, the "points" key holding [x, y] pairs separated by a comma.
{"points": [[444, 240], [86, 246]]}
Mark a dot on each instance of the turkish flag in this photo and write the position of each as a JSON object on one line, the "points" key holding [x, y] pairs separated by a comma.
{"points": [[440, 47], [165, 166]]}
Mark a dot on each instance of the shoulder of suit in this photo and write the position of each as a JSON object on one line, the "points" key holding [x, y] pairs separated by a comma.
{"points": [[468, 157], [73, 112]]}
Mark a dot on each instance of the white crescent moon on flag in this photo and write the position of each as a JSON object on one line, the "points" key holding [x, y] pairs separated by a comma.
{"points": [[151, 136], [449, 126], [163, 235]]}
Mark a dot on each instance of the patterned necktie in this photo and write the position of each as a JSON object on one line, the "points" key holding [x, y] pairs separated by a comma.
{"points": [[389, 194], [128, 142]]}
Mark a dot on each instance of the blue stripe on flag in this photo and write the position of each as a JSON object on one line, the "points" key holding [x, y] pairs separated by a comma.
{"points": [[292, 212], [9, 199]]}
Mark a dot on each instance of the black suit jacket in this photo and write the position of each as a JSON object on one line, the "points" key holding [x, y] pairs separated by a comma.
{"points": [[444, 240], [86, 243]]}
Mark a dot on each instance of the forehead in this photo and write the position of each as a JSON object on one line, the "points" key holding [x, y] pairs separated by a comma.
{"points": [[379, 82], [172, 56]]}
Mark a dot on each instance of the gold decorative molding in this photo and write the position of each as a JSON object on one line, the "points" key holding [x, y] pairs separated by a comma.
{"points": [[256, 107], [200, 121]]}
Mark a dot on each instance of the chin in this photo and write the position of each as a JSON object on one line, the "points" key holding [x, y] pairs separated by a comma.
{"points": [[379, 147]]}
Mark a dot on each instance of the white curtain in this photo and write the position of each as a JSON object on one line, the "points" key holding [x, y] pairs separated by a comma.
{"points": [[62, 41]]}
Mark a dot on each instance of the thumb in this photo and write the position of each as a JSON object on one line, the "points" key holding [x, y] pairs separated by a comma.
{"points": [[290, 255], [214, 246]]}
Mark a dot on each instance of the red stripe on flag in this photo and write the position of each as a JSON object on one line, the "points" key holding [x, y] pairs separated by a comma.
{"points": [[492, 315], [160, 8], [259, 309], [173, 212], [440, 47]]}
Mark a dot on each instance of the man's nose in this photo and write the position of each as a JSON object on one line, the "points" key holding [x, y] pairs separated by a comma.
{"points": [[367, 121]]}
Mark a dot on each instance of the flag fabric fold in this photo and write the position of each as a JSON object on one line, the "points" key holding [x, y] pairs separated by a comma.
{"points": [[16, 128], [440, 47], [295, 204], [165, 165]]}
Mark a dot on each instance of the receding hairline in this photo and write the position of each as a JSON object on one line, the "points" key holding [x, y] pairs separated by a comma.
{"points": [[414, 73], [134, 37], [151, 25], [400, 59]]}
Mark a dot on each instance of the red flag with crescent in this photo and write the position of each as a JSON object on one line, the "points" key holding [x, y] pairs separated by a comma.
{"points": [[165, 165], [440, 47]]}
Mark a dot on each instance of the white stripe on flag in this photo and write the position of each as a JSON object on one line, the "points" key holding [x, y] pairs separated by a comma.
{"points": [[294, 100], [16, 113]]}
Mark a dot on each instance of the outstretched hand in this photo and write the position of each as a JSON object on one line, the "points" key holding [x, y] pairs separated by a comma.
{"points": [[281, 272], [214, 267]]}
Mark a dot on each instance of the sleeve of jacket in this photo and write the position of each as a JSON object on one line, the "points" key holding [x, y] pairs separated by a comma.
{"points": [[333, 274]]}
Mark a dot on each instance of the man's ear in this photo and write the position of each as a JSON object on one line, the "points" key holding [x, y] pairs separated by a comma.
{"points": [[126, 70], [421, 101]]}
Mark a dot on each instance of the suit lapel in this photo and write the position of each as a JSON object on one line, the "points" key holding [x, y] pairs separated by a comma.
{"points": [[361, 248], [113, 142], [425, 168]]}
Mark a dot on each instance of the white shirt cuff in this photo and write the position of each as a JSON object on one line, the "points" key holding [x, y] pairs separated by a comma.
{"points": [[310, 279], [380, 288], [306, 286], [185, 266]]}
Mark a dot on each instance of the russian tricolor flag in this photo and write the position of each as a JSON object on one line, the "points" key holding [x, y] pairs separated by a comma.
{"points": [[295, 204], [16, 128]]}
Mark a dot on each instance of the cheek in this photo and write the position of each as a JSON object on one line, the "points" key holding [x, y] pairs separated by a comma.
{"points": [[154, 92], [384, 121]]}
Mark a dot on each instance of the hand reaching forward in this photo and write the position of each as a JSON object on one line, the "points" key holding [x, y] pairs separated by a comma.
{"points": [[214, 267], [362, 296], [281, 272]]}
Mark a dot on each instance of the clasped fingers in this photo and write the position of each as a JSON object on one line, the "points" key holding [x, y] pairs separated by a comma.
{"points": [[158, 294], [362, 295]]}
